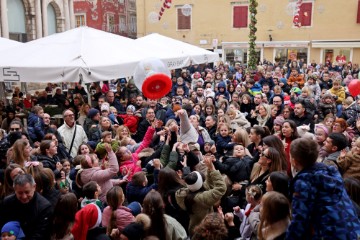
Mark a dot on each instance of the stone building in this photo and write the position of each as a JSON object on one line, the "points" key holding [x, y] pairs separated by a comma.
{"points": [[330, 30], [26, 20]]}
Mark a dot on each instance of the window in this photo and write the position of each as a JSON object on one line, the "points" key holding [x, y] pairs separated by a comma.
{"points": [[110, 23], [121, 1], [80, 20], [305, 14], [240, 17], [122, 23], [132, 24], [183, 22], [358, 13]]}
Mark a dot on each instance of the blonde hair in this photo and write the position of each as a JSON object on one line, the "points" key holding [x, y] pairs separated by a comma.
{"points": [[307, 89], [119, 130]]}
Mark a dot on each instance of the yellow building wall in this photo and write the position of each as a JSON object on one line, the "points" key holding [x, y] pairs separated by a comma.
{"points": [[213, 19]]}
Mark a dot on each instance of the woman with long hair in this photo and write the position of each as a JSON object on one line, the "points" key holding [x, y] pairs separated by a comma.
{"points": [[269, 162], [64, 216], [162, 225], [169, 182], [11, 171], [275, 142], [21, 152], [274, 216], [115, 215], [84, 109], [288, 134]]}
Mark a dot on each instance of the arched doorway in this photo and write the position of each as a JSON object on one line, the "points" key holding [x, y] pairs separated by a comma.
{"points": [[51, 14]]}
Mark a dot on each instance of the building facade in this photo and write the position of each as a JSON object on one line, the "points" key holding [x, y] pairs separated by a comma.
{"points": [[329, 29], [26, 20], [115, 16]]}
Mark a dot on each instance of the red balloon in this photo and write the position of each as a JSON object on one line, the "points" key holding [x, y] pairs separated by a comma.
{"points": [[354, 87]]}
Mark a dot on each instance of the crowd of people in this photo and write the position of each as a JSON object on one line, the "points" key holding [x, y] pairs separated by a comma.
{"points": [[228, 153]]}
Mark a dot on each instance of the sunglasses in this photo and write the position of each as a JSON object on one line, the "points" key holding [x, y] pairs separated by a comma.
{"points": [[14, 129]]}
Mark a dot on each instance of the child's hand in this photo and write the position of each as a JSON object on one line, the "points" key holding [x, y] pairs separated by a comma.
{"points": [[157, 163], [184, 161], [208, 162], [107, 147], [343, 153], [213, 148], [58, 166], [229, 218], [186, 147], [220, 211], [236, 209]]}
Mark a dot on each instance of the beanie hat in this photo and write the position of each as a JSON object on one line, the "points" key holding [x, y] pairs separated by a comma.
{"points": [[133, 231], [131, 108], [279, 120], [13, 228], [92, 113], [135, 208], [194, 183], [87, 218], [105, 107], [296, 90]]}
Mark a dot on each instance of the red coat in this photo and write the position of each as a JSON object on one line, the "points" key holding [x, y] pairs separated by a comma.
{"points": [[130, 121], [130, 165]]}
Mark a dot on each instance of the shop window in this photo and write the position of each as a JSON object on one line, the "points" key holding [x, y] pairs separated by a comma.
{"points": [[339, 55], [240, 17], [358, 13], [305, 14], [183, 22]]}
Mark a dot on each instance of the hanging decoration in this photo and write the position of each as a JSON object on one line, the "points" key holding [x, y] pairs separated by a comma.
{"points": [[290, 9], [296, 19], [186, 10], [153, 17], [166, 5], [280, 25], [262, 8], [252, 36]]}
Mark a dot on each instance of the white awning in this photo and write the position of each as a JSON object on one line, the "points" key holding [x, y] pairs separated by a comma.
{"points": [[336, 44]]}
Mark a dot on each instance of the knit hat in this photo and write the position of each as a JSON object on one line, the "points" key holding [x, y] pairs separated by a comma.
{"points": [[133, 231], [194, 181], [131, 108], [135, 208], [279, 120], [296, 90], [13, 228], [92, 113], [87, 218], [105, 107]]}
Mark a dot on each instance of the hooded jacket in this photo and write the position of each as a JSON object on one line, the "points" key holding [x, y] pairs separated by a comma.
{"points": [[321, 208], [35, 127], [239, 121], [224, 92]]}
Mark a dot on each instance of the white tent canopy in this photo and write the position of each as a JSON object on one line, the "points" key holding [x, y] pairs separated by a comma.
{"points": [[194, 54], [7, 44], [93, 54], [62, 57]]}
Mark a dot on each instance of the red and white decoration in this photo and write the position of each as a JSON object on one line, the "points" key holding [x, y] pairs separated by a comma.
{"points": [[296, 19], [166, 5]]}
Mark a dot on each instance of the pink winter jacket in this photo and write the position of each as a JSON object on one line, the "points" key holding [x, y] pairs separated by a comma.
{"points": [[102, 177], [130, 165], [122, 214]]}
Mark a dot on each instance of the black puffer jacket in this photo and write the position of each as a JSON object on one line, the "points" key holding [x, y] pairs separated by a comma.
{"points": [[237, 169]]}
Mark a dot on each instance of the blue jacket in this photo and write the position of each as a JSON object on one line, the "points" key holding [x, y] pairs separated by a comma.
{"points": [[226, 94], [138, 193], [36, 127], [222, 144], [321, 208]]}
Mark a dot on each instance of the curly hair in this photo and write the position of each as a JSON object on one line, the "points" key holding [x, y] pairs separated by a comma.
{"points": [[212, 227]]}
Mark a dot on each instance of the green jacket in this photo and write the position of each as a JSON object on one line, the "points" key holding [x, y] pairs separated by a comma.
{"points": [[215, 188]]}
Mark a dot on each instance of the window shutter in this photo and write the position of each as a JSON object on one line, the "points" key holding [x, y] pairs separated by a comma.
{"points": [[184, 22], [240, 17], [305, 14], [358, 13]]}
